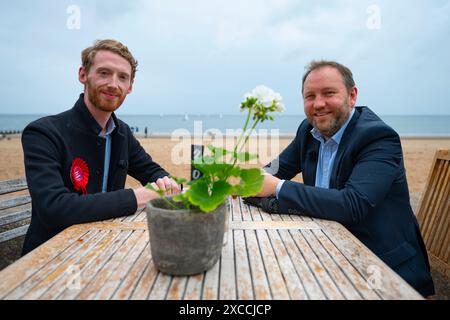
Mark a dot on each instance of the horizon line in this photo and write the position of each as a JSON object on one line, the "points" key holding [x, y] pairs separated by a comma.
{"points": [[218, 114]]}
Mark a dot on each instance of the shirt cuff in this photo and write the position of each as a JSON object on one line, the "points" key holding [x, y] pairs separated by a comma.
{"points": [[279, 185]]}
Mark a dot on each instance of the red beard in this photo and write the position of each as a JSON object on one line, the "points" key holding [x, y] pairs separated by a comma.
{"points": [[104, 99]]}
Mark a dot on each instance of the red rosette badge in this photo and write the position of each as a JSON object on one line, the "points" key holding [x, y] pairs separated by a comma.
{"points": [[79, 174]]}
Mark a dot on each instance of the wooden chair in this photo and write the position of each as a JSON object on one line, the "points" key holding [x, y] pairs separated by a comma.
{"points": [[434, 213], [15, 209]]}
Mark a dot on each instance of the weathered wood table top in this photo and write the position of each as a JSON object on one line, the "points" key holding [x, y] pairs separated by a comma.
{"points": [[264, 257]]}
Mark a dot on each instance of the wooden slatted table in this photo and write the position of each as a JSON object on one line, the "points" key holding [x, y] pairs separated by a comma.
{"points": [[264, 257]]}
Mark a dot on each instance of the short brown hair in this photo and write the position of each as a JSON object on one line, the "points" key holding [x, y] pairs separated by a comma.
{"points": [[346, 73], [88, 54]]}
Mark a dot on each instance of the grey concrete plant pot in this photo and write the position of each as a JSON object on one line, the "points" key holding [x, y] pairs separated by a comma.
{"points": [[184, 242]]}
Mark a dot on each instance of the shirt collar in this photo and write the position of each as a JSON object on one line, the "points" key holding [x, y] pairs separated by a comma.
{"points": [[338, 135], [84, 120], [110, 126]]}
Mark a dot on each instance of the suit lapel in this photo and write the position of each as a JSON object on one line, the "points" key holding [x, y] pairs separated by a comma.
{"points": [[343, 145], [310, 167]]}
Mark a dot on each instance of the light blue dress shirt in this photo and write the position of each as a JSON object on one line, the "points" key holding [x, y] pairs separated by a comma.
{"points": [[327, 154], [110, 126]]}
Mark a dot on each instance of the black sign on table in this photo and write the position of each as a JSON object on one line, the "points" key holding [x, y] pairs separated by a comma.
{"points": [[196, 154]]}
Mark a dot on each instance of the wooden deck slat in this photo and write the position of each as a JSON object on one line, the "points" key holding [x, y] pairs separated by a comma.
{"points": [[14, 202], [95, 265], [307, 279], [433, 212], [235, 209], [119, 219], [259, 275], [245, 212], [15, 274], [194, 287], [309, 282], [131, 250], [129, 218], [264, 215], [334, 271], [99, 283], [14, 233], [274, 275], [227, 274], [437, 241], [273, 225], [177, 288], [128, 284], [13, 185], [430, 203], [34, 286], [143, 287], [133, 225], [141, 217], [211, 285], [243, 273], [434, 206], [444, 252], [12, 217], [293, 282], [56, 270], [160, 288], [366, 262], [355, 277], [102, 239], [319, 270], [275, 217]]}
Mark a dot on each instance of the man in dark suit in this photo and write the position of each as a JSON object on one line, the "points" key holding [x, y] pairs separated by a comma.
{"points": [[353, 173], [76, 162]]}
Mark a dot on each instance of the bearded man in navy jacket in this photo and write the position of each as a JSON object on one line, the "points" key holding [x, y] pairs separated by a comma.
{"points": [[76, 162], [353, 173]]}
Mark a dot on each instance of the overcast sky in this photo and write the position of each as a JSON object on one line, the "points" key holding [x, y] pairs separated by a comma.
{"points": [[202, 56]]}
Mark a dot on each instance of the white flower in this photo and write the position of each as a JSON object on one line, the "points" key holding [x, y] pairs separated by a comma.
{"points": [[266, 97]]}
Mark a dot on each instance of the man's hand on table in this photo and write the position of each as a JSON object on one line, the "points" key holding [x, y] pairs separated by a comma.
{"points": [[269, 186], [266, 199], [144, 195]]}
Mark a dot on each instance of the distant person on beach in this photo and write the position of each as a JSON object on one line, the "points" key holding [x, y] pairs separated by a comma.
{"points": [[146, 131], [353, 173], [76, 162]]}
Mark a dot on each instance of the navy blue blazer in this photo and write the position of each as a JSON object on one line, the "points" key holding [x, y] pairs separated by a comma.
{"points": [[368, 193]]}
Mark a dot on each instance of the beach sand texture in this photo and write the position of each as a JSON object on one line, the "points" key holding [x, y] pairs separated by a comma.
{"points": [[174, 155]]}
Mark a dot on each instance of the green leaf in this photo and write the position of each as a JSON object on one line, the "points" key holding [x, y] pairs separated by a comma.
{"points": [[218, 151], [245, 156], [200, 196], [214, 169], [235, 172], [205, 159], [178, 198], [251, 182]]}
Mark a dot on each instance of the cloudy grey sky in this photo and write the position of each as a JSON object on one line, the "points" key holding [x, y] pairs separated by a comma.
{"points": [[202, 56]]}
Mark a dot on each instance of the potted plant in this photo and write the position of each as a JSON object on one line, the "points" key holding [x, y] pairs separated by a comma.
{"points": [[186, 230]]}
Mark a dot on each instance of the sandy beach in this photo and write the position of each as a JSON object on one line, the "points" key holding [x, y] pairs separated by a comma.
{"points": [[174, 154]]}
